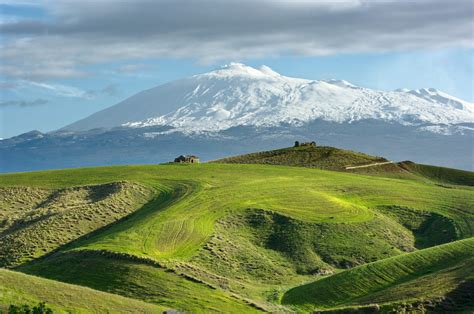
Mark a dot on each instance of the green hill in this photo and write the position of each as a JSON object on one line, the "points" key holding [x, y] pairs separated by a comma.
{"points": [[36, 221], [217, 237], [331, 158], [321, 157], [20, 289], [440, 174], [422, 276]]}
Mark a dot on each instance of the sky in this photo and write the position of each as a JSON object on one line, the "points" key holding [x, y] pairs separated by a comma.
{"points": [[63, 60]]}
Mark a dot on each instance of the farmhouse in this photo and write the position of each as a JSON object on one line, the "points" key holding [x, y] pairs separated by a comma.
{"points": [[311, 144], [191, 159]]}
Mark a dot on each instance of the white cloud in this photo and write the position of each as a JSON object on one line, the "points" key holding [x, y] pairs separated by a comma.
{"points": [[82, 33], [61, 90]]}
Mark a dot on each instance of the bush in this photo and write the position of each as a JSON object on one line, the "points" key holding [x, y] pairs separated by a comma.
{"points": [[41, 308]]}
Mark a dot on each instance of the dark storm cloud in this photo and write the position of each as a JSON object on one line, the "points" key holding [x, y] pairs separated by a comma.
{"points": [[87, 32]]}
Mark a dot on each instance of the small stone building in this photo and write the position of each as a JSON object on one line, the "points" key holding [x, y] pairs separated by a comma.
{"points": [[190, 159], [311, 144]]}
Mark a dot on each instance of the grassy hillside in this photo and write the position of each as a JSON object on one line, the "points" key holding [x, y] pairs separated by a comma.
{"points": [[331, 158], [213, 237], [138, 279], [424, 274], [440, 174], [322, 157], [35, 221], [20, 289]]}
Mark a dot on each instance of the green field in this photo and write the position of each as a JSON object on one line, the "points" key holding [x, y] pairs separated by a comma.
{"points": [[237, 237]]}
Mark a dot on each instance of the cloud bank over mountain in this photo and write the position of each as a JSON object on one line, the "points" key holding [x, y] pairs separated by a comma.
{"points": [[73, 34]]}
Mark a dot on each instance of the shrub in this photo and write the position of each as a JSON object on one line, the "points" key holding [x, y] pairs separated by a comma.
{"points": [[41, 308]]}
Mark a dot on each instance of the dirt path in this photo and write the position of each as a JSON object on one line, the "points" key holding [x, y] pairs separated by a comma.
{"points": [[369, 165]]}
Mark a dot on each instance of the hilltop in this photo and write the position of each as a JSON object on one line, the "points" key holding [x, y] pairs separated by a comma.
{"points": [[321, 157], [216, 237], [331, 158]]}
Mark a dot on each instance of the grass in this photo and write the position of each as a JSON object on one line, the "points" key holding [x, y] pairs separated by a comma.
{"points": [[440, 174], [322, 157], [281, 225], [36, 221], [429, 229], [20, 289], [120, 274], [390, 280], [331, 158]]}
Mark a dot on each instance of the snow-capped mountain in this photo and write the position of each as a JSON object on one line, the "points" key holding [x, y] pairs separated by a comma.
{"points": [[239, 95], [239, 109]]}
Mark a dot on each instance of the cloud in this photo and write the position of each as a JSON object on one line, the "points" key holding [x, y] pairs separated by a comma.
{"points": [[61, 90], [109, 90], [23, 103], [131, 68], [70, 91], [8, 85], [81, 33]]}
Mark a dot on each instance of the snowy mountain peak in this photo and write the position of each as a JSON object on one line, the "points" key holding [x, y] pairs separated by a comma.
{"points": [[240, 70], [341, 83], [267, 70], [436, 96], [240, 95]]}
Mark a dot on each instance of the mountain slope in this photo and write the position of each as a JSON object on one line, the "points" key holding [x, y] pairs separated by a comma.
{"points": [[239, 109], [440, 269], [239, 95]]}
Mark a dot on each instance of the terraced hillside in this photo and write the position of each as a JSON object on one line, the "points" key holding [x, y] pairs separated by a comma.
{"points": [[224, 237]]}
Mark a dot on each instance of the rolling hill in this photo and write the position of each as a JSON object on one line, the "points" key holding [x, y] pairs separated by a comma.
{"points": [[20, 289], [331, 158], [423, 275], [235, 237], [321, 157]]}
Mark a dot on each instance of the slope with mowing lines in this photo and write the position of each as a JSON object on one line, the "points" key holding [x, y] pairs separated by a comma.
{"points": [[185, 221], [356, 286], [35, 221], [20, 289]]}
